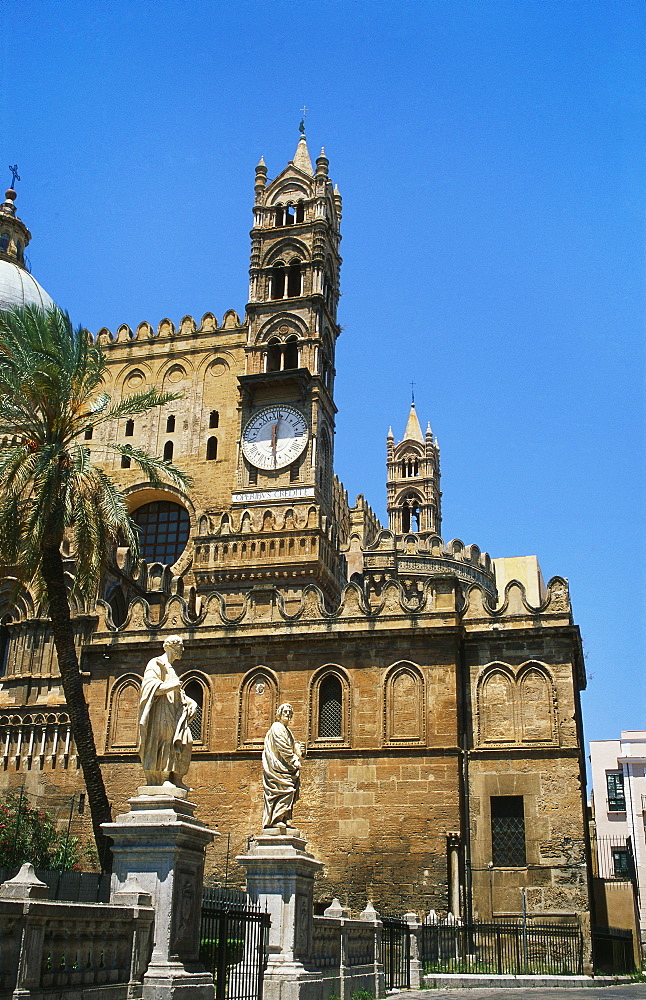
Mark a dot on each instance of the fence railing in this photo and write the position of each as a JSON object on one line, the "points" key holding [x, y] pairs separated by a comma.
{"points": [[505, 948], [395, 952], [72, 887], [233, 943]]}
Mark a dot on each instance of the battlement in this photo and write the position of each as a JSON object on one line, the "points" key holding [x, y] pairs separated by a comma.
{"points": [[166, 328]]}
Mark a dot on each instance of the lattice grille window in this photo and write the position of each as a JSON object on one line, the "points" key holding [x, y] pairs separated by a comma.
{"points": [[194, 690], [330, 708], [508, 831]]}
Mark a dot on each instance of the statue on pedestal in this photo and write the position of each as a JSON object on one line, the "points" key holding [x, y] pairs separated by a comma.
{"points": [[281, 769], [165, 713]]}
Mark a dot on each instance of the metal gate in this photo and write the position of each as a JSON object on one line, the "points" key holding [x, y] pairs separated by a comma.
{"points": [[503, 948], [395, 953], [233, 943]]}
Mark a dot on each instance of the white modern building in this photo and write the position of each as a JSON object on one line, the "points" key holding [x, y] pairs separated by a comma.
{"points": [[619, 801]]}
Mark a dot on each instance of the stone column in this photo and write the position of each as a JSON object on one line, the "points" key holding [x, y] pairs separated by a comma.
{"points": [[453, 849], [162, 844], [280, 877]]}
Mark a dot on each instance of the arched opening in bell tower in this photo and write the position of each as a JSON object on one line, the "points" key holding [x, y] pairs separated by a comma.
{"points": [[410, 514]]}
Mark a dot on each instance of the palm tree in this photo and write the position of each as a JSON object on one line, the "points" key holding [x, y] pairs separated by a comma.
{"points": [[51, 392]]}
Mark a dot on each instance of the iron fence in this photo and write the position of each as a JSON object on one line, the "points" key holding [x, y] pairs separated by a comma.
{"points": [[612, 950], [395, 953], [234, 936], [502, 948], [72, 886]]}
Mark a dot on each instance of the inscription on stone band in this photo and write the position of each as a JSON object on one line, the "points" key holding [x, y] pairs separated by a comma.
{"points": [[262, 496]]}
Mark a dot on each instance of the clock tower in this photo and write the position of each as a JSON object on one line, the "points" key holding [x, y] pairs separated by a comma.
{"points": [[285, 490]]}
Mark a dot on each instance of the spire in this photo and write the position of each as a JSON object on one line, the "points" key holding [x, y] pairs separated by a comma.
{"points": [[302, 156], [413, 430]]}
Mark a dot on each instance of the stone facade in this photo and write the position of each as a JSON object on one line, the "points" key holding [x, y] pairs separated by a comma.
{"points": [[436, 705]]}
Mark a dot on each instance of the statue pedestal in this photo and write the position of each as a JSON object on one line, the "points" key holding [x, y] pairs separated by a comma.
{"points": [[161, 843], [280, 876]]}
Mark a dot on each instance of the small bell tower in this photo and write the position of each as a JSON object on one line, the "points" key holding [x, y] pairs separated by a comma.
{"points": [[414, 497]]}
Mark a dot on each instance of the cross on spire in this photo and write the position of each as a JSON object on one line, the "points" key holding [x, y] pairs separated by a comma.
{"points": [[301, 127], [15, 176], [412, 393]]}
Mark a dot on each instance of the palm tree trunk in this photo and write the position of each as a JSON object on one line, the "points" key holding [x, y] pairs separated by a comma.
{"points": [[81, 725]]}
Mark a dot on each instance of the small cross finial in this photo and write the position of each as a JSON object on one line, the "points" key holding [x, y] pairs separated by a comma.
{"points": [[412, 393], [15, 176], [301, 127]]}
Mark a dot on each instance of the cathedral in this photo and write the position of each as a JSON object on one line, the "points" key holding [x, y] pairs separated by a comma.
{"points": [[437, 689]]}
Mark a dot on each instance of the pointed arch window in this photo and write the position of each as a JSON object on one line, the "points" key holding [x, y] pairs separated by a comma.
{"points": [[125, 460], [170, 424], [330, 721], [4, 242], [118, 606], [290, 353], [130, 428], [294, 278], [410, 514], [278, 281], [214, 419], [195, 690], [211, 449], [330, 707], [274, 355], [168, 451]]}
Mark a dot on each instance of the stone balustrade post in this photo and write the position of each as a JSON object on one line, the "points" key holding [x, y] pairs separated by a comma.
{"points": [[371, 916], [415, 962]]}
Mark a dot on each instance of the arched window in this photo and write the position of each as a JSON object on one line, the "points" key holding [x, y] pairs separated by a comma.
{"points": [[330, 714], [168, 451], [214, 418], [294, 282], [278, 217], [288, 215], [19, 251], [274, 355], [211, 449], [410, 514], [170, 424], [130, 428], [4, 242], [195, 691], [88, 433], [278, 281], [300, 211], [117, 603], [125, 460], [291, 353], [164, 529]]}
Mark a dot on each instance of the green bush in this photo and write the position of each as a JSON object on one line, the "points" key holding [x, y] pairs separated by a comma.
{"points": [[28, 834]]}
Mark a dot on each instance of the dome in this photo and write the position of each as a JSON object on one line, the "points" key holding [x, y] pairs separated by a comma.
{"points": [[18, 288]]}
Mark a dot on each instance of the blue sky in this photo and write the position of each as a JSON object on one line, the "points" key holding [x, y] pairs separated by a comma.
{"points": [[490, 157]]}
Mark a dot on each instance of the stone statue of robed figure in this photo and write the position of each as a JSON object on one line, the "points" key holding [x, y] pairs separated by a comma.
{"points": [[165, 713], [281, 769]]}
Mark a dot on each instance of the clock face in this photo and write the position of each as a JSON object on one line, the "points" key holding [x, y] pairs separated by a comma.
{"points": [[274, 437]]}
